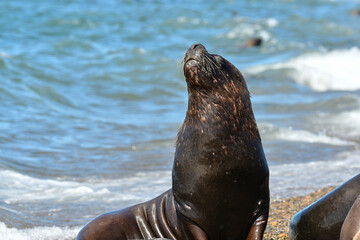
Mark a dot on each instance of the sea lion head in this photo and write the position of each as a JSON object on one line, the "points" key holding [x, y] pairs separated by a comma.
{"points": [[217, 90], [204, 71]]}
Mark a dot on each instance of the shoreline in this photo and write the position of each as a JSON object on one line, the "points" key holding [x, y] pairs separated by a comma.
{"points": [[282, 210]]}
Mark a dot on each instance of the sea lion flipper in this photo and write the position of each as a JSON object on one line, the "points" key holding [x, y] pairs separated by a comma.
{"points": [[112, 225], [351, 226], [257, 229], [323, 219]]}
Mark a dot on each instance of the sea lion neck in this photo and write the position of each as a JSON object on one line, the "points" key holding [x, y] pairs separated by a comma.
{"points": [[226, 107]]}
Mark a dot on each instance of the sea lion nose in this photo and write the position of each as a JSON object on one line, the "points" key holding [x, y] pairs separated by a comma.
{"points": [[197, 47], [194, 45], [195, 51]]}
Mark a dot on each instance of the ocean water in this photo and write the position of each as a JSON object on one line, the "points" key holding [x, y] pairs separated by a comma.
{"points": [[92, 95]]}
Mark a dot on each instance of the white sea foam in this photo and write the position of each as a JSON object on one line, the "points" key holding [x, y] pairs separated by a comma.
{"points": [[290, 134], [334, 70], [302, 178], [38, 233], [272, 22], [265, 35], [241, 31], [17, 188], [245, 29], [343, 123]]}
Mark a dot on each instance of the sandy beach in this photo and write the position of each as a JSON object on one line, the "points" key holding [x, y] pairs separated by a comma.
{"points": [[281, 212]]}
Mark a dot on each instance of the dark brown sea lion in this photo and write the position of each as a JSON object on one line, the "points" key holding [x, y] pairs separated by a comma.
{"points": [[351, 228], [323, 219], [253, 42], [220, 186]]}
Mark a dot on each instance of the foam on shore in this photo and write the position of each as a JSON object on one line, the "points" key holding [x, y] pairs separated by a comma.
{"points": [[38, 233], [322, 71]]}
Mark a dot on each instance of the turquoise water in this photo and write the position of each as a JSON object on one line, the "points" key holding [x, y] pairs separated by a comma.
{"points": [[92, 95]]}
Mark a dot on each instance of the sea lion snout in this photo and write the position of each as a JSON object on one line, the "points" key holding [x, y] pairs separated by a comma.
{"points": [[195, 52]]}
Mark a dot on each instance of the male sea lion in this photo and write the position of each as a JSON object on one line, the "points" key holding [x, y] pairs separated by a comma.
{"points": [[323, 219], [351, 228], [220, 183]]}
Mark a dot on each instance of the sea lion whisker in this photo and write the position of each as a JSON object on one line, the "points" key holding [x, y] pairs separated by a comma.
{"points": [[217, 69], [180, 62], [211, 65]]}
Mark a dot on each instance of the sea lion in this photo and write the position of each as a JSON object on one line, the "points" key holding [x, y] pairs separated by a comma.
{"points": [[253, 42], [323, 219], [220, 177], [351, 228]]}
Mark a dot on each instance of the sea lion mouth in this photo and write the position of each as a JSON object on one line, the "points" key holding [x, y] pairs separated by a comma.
{"points": [[191, 63], [191, 71], [189, 60]]}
